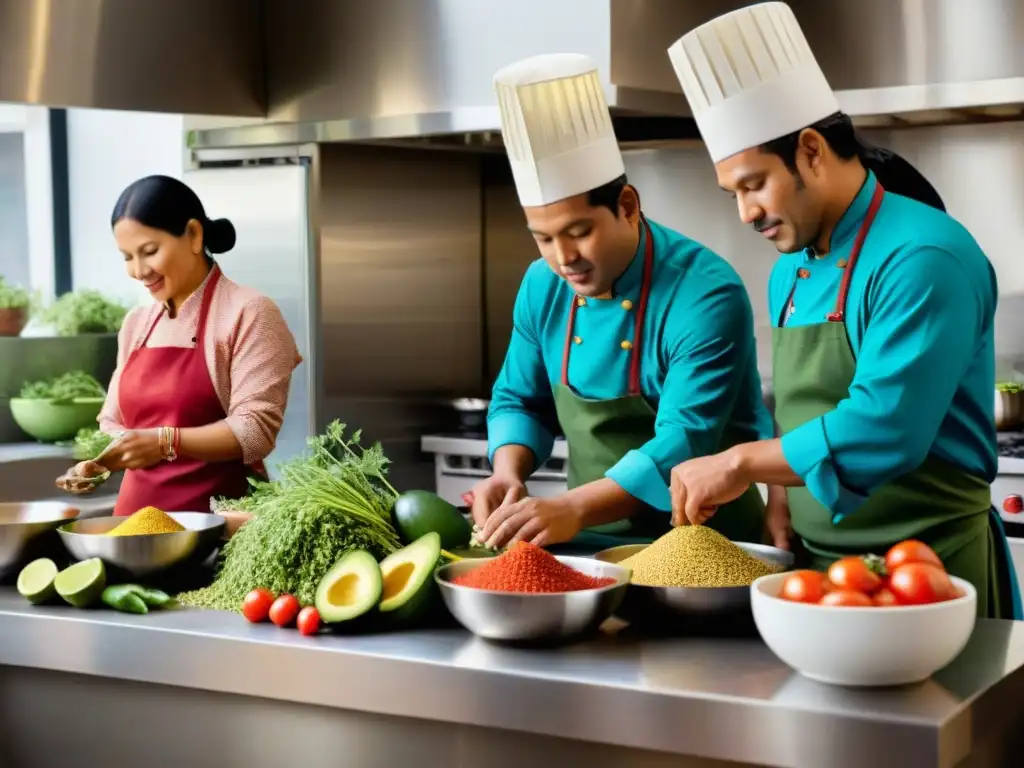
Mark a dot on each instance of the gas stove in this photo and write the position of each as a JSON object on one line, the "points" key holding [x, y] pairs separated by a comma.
{"points": [[1011, 444], [460, 462]]}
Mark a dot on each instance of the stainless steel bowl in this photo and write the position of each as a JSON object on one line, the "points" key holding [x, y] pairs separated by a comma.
{"points": [[22, 523], [669, 604], [517, 617], [149, 553]]}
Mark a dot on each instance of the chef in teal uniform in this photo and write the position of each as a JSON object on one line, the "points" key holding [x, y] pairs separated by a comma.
{"points": [[883, 309], [638, 340]]}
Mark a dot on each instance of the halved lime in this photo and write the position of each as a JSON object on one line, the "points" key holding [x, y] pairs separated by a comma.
{"points": [[82, 584], [35, 582]]}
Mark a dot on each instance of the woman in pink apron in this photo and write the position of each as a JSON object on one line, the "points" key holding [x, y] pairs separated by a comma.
{"points": [[203, 373]]}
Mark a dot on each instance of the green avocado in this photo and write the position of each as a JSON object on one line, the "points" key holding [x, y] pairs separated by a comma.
{"points": [[409, 588], [350, 589], [420, 512]]}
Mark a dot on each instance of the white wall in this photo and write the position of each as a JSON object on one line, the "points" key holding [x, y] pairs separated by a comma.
{"points": [[107, 151]]}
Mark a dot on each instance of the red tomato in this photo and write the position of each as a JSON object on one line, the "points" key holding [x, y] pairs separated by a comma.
{"points": [[846, 597], [884, 598], [804, 587], [920, 584], [256, 606], [858, 574], [911, 551], [284, 610], [309, 621]]}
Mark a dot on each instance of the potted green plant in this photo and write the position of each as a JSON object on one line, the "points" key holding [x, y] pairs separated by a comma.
{"points": [[53, 410], [1009, 407], [15, 302], [84, 312]]}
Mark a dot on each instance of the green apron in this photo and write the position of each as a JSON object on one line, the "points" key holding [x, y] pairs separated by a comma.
{"points": [[938, 503], [599, 433]]}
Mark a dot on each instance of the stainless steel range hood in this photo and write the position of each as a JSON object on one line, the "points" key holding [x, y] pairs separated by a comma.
{"points": [[287, 71]]}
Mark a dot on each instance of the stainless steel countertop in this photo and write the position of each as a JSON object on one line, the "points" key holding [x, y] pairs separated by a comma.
{"points": [[721, 698]]}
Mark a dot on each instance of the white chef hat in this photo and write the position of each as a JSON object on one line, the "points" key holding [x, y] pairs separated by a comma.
{"points": [[557, 128], [750, 77]]}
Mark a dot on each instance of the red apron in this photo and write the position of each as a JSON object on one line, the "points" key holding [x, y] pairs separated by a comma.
{"points": [[171, 386]]}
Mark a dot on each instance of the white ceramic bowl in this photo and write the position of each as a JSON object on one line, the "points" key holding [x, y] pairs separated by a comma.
{"points": [[863, 646]]}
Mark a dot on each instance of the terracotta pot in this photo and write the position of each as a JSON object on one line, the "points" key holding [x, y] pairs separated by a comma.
{"points": [[13, 321]]}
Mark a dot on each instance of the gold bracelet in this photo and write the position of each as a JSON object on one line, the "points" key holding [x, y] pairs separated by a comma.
{"points": [[167, 443]]}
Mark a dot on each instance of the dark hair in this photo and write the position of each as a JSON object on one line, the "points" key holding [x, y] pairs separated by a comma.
{"points": [[165, 203], [893, 172], [608, 195]]}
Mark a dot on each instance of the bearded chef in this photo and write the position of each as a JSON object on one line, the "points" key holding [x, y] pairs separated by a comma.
{"points": [[639, 339], [883, 309]]}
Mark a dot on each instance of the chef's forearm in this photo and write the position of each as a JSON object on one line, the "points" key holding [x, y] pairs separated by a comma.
{"points": [[763, 462], [515, 461], [601, 502], [214, 442]]}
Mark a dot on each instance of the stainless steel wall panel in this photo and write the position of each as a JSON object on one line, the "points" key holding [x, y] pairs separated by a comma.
{"points": [[401, 241], [202, 56]]}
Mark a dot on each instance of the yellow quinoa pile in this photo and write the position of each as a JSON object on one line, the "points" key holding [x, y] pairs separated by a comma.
{"points": [[694, 556], [147, 520]]}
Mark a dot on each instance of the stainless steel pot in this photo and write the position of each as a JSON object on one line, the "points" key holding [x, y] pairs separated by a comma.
{"points": [[472, 412], [1009, 409]]}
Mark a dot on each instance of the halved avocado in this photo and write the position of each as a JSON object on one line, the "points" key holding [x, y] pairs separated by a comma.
{"points": [[409, 587], [350, 589], [419, 512]]}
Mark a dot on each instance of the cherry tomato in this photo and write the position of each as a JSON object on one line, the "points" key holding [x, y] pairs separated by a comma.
{"points": [[859, 574], [256, 606], [846, 597], [884, 598], [284, 610], [309, 620], [920, 584], [804, 587], [911, 551]]}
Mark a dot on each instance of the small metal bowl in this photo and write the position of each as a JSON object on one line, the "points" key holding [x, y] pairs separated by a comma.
{"points": [[148, 553], [22, 523], [660, 605], [518, 617]]}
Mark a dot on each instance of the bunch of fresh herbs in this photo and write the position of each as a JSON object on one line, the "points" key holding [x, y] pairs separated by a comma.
{"points": [[334, 499], [64, 388], [89, 443]]}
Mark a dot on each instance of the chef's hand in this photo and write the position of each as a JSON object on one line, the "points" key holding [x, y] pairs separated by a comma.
{"points": [[700, 486], [540, 521], [491, 493], [137, 449], [71, 481], [776, 517]]}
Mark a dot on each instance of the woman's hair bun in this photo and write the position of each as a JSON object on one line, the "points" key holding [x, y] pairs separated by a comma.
{"points": [[219, 235]]}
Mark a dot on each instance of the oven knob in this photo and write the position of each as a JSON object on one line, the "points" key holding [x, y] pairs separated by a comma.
{"points": [[1013, 504]]}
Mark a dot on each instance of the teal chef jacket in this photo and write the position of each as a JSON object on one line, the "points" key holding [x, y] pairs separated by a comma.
{"points": [[698, 364], [920, 316]]}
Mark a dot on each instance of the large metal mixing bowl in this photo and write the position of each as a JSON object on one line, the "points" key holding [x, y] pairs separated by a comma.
{"points": [[657, 605], [22, 523], [512, 616], [148, 553]]}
